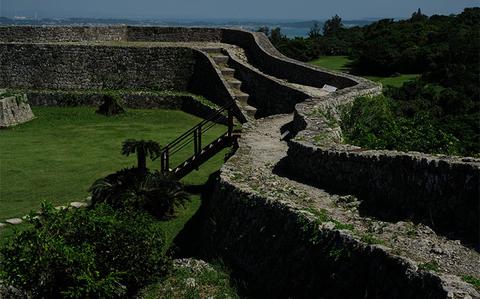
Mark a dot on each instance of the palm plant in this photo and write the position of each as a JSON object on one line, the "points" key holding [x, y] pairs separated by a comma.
{"points": [[132, 189], [144, 149]]}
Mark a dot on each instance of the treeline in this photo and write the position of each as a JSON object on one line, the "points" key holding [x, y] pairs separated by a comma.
{"points": [[445, 50]]}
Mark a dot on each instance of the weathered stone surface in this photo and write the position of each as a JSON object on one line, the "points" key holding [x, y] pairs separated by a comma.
{"points": [[440, 192], [78, 205], [70, 66], [265, 225], [14, 221], [14, 110]]}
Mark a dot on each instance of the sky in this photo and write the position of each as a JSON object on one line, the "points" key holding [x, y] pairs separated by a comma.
{"points": [[231, 9]]}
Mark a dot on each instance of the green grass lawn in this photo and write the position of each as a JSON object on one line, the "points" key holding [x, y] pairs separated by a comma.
{"points": [[394, 81], [335, 63], [57, 156], [341, 64]]}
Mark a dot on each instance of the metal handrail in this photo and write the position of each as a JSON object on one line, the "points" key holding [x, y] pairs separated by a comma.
{"points": [[195, 134], [209, 119]]}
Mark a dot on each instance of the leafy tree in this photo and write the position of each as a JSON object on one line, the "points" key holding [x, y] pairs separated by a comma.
{"points": [[315, 31], [332, 26], [276, 36], [418, 16], [143, 149], [265, 30]]}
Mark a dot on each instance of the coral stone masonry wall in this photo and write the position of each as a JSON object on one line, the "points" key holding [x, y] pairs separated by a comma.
{"points": [[268, 231], [34, 34], [283, 253], [269, 60], [443, 193], [89, 67]]}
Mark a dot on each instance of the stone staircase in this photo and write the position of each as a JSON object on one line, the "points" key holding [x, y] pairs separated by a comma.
{"points": [[241, 98]]}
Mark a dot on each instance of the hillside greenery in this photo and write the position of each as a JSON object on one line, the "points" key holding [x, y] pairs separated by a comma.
{"points": [[445, 97]]}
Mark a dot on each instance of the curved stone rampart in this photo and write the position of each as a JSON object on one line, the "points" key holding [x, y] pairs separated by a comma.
{"points": [[269, 95], [283, 253], [290, 239], [270, 61], [440, 191]]}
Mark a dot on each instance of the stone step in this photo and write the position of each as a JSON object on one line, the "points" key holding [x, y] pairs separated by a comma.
{"points": [[220, 58], [242, 97], [213, 50], [228, 72], [234, 83], [249, 110]]}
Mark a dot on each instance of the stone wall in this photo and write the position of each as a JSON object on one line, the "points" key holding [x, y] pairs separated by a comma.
{"points": [[208, 82], [264, 56], [94, 67], [14, 110], [440, 192], [267, 95], [173, 34], [37, 34], [29, 34], [282, 253]]}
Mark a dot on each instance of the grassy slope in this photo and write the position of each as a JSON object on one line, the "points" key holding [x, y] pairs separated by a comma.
{"points": [[340, 63], [335, 63], [57, 156]]}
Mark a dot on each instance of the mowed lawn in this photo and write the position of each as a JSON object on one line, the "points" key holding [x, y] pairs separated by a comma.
{"points": [[57, 156], [342, 64], [335, 63]]}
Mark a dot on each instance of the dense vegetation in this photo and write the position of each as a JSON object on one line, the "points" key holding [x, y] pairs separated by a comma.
{"points": [[437, 113], [85, 253]]}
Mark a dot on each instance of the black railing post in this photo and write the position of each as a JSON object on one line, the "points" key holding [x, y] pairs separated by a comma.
{"points": [[165, 167], [195, 142], [230, 123], [199, 150]]}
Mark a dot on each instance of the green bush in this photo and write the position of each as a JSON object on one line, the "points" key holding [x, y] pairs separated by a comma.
{"points": [[96, 253], [371, 122], [134, 189]]}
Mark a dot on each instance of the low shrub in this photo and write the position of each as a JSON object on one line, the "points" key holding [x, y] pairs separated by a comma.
{"points": [[133, 189], [86, 253], [373, 122]]}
